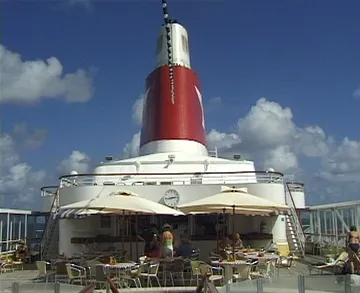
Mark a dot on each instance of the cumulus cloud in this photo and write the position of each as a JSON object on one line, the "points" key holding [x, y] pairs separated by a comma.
{"points": [[213, 105], [29, 81], [131, 149], [77, 161], [19, 182], [268, 135], [137, 111], [28, 138], [357, 93], [224, 141]]}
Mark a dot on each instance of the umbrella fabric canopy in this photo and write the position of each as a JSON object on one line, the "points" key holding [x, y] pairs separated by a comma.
{"points": [[121, 201], [234, 200]]}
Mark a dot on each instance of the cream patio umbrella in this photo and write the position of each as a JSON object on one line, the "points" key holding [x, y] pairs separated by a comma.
{"points": [[121, 202], [235, 200]]}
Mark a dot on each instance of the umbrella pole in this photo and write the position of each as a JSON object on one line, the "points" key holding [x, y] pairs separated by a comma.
{"points": [[224, 224], [122, 233], [217, 233], [233, 231], [137, 239], [130, 238]]}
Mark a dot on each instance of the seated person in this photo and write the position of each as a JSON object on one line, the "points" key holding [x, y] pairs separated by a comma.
{"points": [[185, 248], [147, 236], [152, 248], [225, 244], [238, 242]]}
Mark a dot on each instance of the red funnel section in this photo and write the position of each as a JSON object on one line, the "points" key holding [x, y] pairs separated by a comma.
{"points": [[164, 120]]}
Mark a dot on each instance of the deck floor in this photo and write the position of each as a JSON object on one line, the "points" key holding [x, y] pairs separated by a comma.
{"points": [[287, 280]]}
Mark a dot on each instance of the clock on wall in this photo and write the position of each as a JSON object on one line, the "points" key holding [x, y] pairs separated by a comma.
{"points": [[171, 198]]}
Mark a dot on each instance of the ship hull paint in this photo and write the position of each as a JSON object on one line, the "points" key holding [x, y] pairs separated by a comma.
{"points": [[165, 120]]}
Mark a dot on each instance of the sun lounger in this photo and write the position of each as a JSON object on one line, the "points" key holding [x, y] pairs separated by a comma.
{"points": [[332, 266]]}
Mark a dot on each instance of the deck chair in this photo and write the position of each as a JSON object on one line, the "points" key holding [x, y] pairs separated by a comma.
{"points": [[337, 264]]}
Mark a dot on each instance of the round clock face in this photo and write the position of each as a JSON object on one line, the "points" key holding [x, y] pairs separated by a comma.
{"points": [[171, 198]]}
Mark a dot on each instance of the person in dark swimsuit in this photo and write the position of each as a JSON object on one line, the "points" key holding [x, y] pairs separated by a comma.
{"points": [[354, 239], [353, 243]]}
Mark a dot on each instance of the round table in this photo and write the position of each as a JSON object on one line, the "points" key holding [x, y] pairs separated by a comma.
{"points": [[228, 268]]}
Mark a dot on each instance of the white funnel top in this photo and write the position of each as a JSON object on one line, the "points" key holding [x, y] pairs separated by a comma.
{"points": [[180, 46]]}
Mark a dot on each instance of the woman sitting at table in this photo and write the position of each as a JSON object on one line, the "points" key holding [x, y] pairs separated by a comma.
{"points": [[152, 248], [225, 244], [238, 242], [185, 248]]}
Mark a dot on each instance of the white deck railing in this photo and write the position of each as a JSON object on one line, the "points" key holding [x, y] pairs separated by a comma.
{"points": [[232, 177]]}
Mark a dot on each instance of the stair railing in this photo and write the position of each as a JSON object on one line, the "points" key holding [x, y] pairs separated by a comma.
{"points": [[49, 223], [298, 229]]}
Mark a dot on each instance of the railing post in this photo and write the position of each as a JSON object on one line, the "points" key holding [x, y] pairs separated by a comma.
{"points": [[259, 286], [15, 287], [347, 284], [301, 284], [57, 287]]}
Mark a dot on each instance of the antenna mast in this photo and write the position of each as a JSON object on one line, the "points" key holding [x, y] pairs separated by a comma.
{"points": [[168, 23]]}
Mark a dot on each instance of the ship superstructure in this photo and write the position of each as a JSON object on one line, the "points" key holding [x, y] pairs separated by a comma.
{"points": [[174, 165]]}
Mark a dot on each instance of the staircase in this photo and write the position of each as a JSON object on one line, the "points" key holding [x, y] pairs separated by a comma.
{"points": [[294, 231], [50, 238]]}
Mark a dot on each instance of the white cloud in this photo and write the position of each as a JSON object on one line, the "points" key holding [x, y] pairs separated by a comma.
{"points": [[266, 126], [222, 140], [131, 149], [269, 135], [137, 110], [77, 161], [28, 138], [281, 158], [213, 105], [343, 163], [29, 81], [19, 182], [357, 93]]}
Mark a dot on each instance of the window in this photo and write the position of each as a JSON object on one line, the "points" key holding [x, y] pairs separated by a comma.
{"points": [[196, 180], [165, 183], [185, 44], [105, 222]]}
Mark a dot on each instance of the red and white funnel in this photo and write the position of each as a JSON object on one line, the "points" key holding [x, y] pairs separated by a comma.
{"points": [[173, 117]]}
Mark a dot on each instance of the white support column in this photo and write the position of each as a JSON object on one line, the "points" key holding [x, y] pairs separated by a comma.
{"points": [[341, 218], [325, 223], [20, 229], [1, 235], [7, 231], [318, 223], [11, 235], [343, 224], [312, 230], [25, 227], [334, 232]]}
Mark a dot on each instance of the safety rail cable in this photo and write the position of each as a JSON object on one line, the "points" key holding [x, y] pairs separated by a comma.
{"points": [[49, 222], [295, 219]]}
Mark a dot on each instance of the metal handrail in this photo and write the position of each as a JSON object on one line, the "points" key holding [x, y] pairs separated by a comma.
{"points": [[181, 178], [49, 221], [296, 221]]}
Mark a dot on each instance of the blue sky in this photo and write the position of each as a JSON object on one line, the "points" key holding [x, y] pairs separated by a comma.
{"points": [[300, 54]]}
